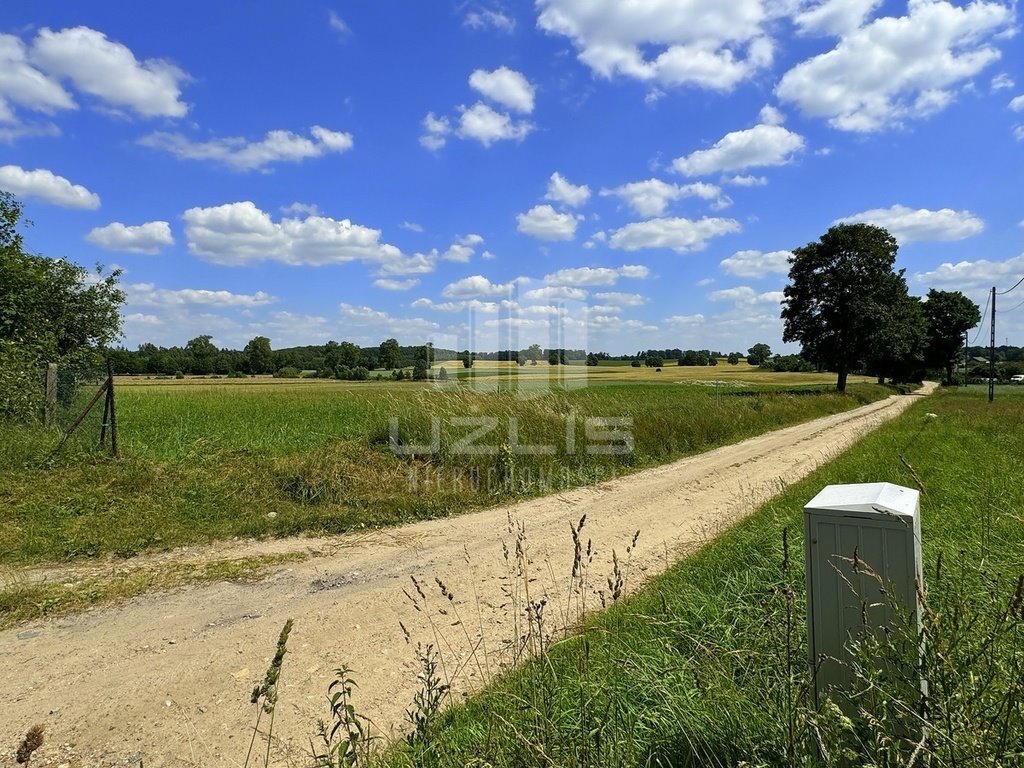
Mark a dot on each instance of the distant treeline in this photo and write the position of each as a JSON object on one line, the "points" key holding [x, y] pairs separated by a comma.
{"points": [[1004, 354], [201, 357]]}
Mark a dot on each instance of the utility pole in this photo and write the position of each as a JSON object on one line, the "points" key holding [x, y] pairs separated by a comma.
{"points": [[992, 352], [967, 335]]}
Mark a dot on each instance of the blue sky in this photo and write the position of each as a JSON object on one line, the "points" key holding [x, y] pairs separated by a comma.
{"points": [[568, 172]]}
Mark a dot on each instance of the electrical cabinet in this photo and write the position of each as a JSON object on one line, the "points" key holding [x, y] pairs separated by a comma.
{"points": [[863, 556]]}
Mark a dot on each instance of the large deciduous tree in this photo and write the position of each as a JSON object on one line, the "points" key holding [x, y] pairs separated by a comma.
{"points": [[897, 347], [259, 356], [839, 288], [204, 354], [758, 353], [389, 354], [950, 315], [51, 311]]}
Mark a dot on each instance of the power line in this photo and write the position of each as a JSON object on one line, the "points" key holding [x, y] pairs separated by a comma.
{"points": [[1004, 311], [1003, 293], [981, 324]]}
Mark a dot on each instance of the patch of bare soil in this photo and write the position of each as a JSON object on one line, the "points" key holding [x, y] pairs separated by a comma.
{"points": [[166, 678]]}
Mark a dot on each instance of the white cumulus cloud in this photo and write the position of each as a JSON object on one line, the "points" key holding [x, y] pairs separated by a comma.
{"points": [[707, 43], [622, 299], [753, 263], [746, 181], [241, 154], [745, 296], [435, 131], [463, 249], [375, 324], [761, 146], [834, 17], [148, 294], [591, 276], [24, 85], [685, 321], [390, 284], [907, 224], [561, 190], [545, 223], [489, 19], [973, 275], [651, 197], [505, 86], [555, 293], [477, 285], [679, 234], [109, 71], [484, 124], [898, 67], [149, 238], [240, 233], [47, 186]]}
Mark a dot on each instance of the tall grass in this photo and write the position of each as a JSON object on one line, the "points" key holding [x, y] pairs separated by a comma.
{"points": [[707, 665], [206, 463]]}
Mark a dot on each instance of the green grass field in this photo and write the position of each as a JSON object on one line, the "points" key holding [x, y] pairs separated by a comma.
{"points": [[707, 665], [215, 459]]}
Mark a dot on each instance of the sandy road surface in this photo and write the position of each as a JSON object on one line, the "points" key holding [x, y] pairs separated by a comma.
{"points": [[167, 677]]}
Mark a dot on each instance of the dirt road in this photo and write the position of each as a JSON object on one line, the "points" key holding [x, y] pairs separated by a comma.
{"points": [[167, 677]]}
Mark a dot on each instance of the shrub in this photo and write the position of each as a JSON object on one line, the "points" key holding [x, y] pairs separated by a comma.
{"points": [[288, 372]]}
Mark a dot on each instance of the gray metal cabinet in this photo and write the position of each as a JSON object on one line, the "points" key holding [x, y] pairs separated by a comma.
{"points": [[863, 556]]}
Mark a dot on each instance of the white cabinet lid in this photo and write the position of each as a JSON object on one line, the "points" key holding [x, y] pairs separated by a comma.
{"points": [[866, 498]]}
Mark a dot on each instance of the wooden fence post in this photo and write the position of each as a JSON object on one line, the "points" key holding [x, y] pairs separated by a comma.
{"points": [[50, 406]]}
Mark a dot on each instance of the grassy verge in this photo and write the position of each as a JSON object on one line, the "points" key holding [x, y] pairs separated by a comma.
{"points": [[22, 601], [207, 463], [707, 665]]}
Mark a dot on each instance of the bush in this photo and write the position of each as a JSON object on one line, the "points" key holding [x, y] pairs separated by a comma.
{"points": [[288, 372], [635, 364], [237, 375], [179, 375], [21, 392]]}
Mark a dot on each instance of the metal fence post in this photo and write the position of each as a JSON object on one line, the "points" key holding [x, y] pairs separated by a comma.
{"points": [[50, 405]]}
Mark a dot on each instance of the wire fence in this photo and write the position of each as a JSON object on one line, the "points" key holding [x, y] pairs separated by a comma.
{"points": [[72, 403], [80, 407]]}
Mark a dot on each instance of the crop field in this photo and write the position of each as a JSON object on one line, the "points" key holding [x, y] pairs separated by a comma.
{"points": [[212, 459], [494, 374], [707, 665]]}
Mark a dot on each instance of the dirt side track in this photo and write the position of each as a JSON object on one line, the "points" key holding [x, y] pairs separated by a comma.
{"points": [[167, 677]]}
